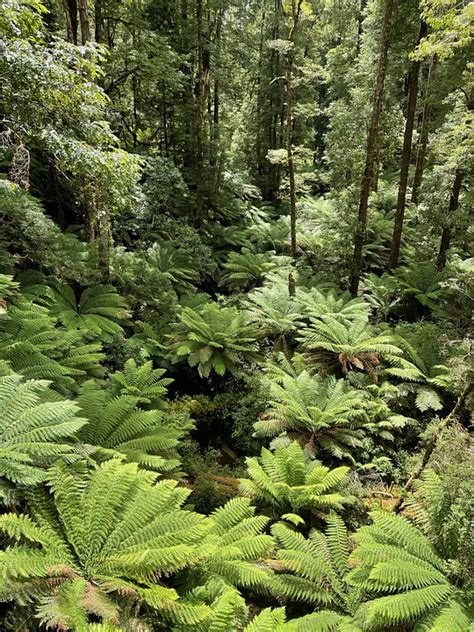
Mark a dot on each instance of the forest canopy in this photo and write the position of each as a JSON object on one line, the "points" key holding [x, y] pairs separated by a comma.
{"points": [[236, 291]]}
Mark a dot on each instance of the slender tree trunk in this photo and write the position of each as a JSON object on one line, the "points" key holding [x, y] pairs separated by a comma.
{"points": [[295, 8], [258, 140], [360, 27], [406, 154], [374, 184], [165, 121], [99, 22], [85, 21], [361, 227], [446, 233], [276, 110], [135, 87], [424, 133], [291, 168], [200, 105], [70, 12], [88, 204], [104, 247], [215, 122], [58, 196]]}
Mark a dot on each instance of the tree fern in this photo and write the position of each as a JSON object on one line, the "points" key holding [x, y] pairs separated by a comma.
{"points": [[99, 310], [442, 508], [144, 382], [403, 575], [422, 282], [119, 425], [246, 269], [35, 346], [175, 266], [237, 546], [214, 338], [228, 610], [314, 570], [324, 411], [8, 287], [349, 346], [286, 481], [315, 303], [33, 429], [382, 293], [113, 536], [275, 312], [421, 370]]}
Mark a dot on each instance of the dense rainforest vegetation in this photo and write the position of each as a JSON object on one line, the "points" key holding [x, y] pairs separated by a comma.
{"points": [[236, 279]]}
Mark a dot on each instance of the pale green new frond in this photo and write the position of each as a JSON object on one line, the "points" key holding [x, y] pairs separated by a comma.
{"points": [[237, 547], [453, 617], [337, 543], [321, 621], [314, 569]]}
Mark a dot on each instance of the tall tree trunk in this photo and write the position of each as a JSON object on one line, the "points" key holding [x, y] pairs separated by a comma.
{"points": [[406, 154], [360, 25], [89, 210], [424, 133], [58, 196], [258, 139], [99, 22], [85, 21], [200, 105], [165, 143], [367, 179], [374, 183], [446, 233], [215, 119], [70, 12], [295, 10]]}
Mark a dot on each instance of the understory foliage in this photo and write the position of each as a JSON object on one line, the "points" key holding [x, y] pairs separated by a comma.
{"points": [[236, 284]]}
